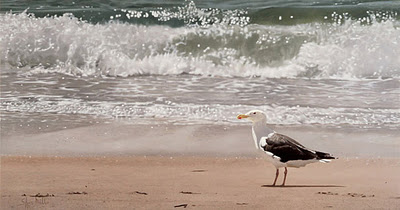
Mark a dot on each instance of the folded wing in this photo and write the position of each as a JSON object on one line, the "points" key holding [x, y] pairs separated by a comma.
{"points": [[289, 149]]}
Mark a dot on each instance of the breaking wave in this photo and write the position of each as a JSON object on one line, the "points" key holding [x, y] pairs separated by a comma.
{"points": [[344, 49]]}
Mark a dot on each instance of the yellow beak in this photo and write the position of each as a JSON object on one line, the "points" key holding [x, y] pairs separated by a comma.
{"points": [[241, 116]]}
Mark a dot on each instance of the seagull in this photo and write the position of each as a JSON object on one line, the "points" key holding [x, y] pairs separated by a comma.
{"points": [[281, 150]]}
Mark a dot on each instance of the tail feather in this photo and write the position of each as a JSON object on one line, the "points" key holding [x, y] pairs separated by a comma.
{"points": [[323, 155], [324, 161]]}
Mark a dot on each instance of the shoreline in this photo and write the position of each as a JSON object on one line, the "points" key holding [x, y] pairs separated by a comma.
{"points": [[125, 139], [201, 182]]}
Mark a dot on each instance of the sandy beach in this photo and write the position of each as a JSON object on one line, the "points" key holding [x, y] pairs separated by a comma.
{"points": [[125, 166], [195, 182], [120, 166]]}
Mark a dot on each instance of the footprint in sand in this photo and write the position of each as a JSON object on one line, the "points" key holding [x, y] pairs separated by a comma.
{"points": [[140, 193], [77, 193], [38, 195], [199, 170], [327, 193], [357, 195], [188, 192]]}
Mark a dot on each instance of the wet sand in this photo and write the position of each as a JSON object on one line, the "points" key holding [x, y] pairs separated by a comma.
{"points": [[195, 182], [119, 138]]}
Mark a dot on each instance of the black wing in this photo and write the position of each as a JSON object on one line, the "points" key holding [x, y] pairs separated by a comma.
{"points": [[289, 149]]}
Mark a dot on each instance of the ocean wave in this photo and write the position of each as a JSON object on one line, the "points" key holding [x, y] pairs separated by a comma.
{"points": [[204, 13], [345, 49]]}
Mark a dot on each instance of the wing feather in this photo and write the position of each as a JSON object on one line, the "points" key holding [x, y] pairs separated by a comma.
{"points": [[289, 149]]}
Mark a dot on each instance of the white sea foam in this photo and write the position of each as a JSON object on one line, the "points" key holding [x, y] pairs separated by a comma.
{"points": [[65, 44], [212, 113]]}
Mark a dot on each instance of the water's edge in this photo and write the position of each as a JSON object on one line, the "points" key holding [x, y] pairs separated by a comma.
{"points": [[118, 138]]}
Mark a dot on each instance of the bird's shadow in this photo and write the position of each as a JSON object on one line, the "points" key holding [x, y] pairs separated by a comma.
{"points": [[299, 186]]}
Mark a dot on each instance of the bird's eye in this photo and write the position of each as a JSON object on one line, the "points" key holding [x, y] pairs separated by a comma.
{"points": [[254, 112]]}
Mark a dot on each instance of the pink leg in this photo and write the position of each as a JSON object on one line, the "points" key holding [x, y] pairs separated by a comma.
{"points": [[284, 178], [276, 177]]}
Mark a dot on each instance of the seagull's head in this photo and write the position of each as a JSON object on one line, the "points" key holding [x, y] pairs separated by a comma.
{"points": [[254, 116]]}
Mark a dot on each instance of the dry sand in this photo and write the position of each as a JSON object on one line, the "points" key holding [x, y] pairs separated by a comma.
{"points": [[200, 182]]}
